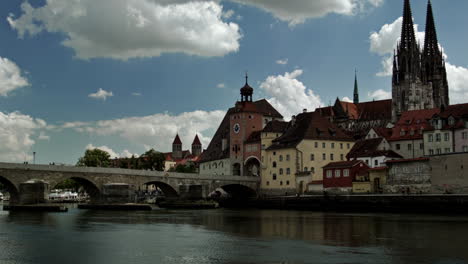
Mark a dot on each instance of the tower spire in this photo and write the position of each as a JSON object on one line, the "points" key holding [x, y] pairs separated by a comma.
{"points": [[356, 89], [431, 45], [408, 38]]}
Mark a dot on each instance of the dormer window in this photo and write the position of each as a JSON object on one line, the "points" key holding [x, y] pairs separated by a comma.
{"points": [[412, 132], [451, 121], [402, 132]]}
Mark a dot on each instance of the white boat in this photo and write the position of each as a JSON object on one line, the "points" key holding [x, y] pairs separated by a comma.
{"points": [[61, 196]]}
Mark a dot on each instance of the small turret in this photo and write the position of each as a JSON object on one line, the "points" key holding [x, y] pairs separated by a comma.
{"points": [[177, 148], [196, 146]]}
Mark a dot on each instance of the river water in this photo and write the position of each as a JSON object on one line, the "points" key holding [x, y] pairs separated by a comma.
{"points": [[230, 236]]}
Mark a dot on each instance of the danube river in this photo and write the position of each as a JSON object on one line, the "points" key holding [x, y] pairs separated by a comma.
{"points": [[230, 236]]}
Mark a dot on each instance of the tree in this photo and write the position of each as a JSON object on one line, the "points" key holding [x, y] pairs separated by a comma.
{"points": [[68, 184], [189, 168], [94, 158], [152, 160]]}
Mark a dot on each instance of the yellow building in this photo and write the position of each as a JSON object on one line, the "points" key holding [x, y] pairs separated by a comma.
{"points": [[294, 153]]}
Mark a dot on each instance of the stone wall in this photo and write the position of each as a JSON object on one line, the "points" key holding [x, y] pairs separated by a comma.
{"points": [[409, 177], [450, 173]]}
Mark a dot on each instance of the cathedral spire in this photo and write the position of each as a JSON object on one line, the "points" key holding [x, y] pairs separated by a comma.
{"points": [[431, 45], [356, 89], [408, 38]]}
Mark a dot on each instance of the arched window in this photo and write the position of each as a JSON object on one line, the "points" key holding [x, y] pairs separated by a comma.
{"points": [[221, 164], [305, 168], [274, 164], [288, 171], [287, 157], [215, 165], [281, 171], [281, 158]]}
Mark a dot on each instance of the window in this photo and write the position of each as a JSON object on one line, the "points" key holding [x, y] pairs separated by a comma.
{"points": [[398, 146], [312, 169], [337, 173], [281, 158], [430, 138], [274, 176], [446, 136], [281, 182], [324, 145], [451, 121], [376, 163], [331, 156], [280, 171], [465, 135], [438, 137], [263, 147], [312, 157], [421, 146], [305, 169], [268, 183], [439, 151], [332, 145], [447, 150], [347, 145], [402, 132], [431, 152], [287, 182], [465, 148], [341, 156], [410, 146], [274, 153], [288, 171], [329, 174], [367, 161], [287, 157], [221, 164], [346, 173], [274, 164], [316, 144], [324, 156], [341, 145]]}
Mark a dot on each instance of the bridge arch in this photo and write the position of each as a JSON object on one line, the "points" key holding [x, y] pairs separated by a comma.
{"points": [[167, 189], [89, 186], [239, 191], [252, 166], [11, 188]]}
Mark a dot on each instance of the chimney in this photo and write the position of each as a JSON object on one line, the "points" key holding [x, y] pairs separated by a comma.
{"points": [[304, 110]]}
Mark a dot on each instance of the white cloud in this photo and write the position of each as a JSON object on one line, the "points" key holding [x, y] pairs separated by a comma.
{"points": [[347, 99], [43, 136], [136, 94], [10, 77], [16, 133], [112, 153], [228, 14], [289, 95], [384, 42], [156, 131], [124, 29], [101, 94], [282, 62], [379, 95], [297, 12], [221, 85]]}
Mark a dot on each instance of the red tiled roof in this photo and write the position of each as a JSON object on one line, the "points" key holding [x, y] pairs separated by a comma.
{"points": [[415, 121], [383, 132], [457, 111], [378, 168], [343, 164], [351, 109], [275, 127], [310, 125]]}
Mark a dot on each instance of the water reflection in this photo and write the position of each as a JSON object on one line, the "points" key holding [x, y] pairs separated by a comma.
{"points": [[235, 236]]}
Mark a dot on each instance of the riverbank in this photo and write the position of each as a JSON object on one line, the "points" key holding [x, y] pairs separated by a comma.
{"points": [[456, 204]]}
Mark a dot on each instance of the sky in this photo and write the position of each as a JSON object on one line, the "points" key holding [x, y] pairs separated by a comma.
{"points": [[126, 76]]}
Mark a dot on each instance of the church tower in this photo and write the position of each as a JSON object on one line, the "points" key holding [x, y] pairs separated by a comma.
{"points": [[433, 63], [196, 146], [177, 148], [419, 77], [356, 90]]}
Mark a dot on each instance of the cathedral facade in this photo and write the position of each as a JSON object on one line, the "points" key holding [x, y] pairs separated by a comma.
{"points": [[419, 76]]}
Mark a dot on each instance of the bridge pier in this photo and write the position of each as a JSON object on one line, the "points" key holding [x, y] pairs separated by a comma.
{"points": [[118, 193], [193, 192], [33, 192]]}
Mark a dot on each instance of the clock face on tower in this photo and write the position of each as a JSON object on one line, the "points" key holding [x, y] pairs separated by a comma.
{"points": [[236, 128]]}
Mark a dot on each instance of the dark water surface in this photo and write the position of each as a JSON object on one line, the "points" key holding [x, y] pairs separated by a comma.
{"points": [[230, 236]]}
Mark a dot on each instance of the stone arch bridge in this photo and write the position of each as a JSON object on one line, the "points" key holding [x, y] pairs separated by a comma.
{"points": [[15, 177]]}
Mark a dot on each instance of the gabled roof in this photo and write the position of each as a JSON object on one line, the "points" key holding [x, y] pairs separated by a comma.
{"points": [[275, 126], [255, 137], [264, 107], [343, 164], [310, 125], [364, 148], [457, 111], [412, 123]]}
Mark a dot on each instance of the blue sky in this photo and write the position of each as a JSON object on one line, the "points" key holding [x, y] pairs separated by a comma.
{"points": [[167, 67]]}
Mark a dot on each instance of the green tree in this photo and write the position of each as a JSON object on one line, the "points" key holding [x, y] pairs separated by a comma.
{"points": [[152, 160], [190, 168], [94, 158], [68, 184]]}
